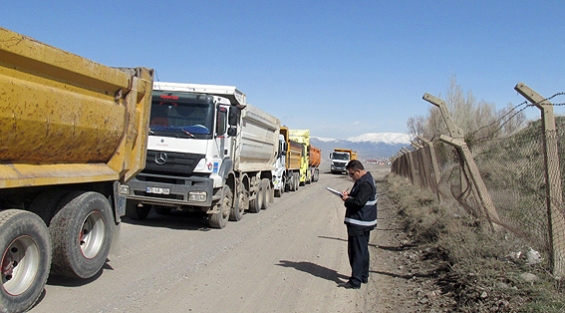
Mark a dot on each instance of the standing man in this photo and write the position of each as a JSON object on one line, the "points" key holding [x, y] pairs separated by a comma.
{"points": [[360, 218]]}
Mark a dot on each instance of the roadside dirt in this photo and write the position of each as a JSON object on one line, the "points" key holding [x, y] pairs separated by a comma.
{"points": [[288, 258]]}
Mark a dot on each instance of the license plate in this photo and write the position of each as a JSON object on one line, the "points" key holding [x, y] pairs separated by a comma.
{"points": [[158, 190]]}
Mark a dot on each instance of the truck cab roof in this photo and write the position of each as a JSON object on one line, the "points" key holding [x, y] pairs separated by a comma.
{"points": [[235, 96]]}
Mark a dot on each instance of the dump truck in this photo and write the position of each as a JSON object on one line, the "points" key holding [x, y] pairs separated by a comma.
{"points": [[311, 156], [286, 175], [208, 151], [340, 157], [314, 161], [71, 131]]}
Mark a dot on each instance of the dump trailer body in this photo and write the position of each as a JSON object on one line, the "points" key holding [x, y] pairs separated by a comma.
{"points": [[315, 156], [71, 130], [65, 119], [258, 141]]}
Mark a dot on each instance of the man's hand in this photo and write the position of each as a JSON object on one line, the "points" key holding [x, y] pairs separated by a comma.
{"points": [[345, 194]]}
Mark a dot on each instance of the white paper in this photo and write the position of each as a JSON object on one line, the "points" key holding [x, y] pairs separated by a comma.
{"points": [[335, 192]]}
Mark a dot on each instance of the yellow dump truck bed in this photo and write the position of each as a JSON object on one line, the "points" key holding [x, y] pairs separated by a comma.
{"points": [[65, 119]]}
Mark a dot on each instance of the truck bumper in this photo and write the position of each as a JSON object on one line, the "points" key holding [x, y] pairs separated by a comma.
{"points": [[143, 189], [338, 168]]}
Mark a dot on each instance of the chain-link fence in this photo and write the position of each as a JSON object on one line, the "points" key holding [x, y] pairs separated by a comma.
{"points": [[517, 183]]}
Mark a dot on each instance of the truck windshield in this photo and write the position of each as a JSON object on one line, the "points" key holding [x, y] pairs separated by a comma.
{"points": [[341, 156], [188, 116]]}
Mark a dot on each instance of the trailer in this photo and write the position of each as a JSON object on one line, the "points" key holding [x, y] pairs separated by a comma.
{"points": [[71, 131], [208, 151]]}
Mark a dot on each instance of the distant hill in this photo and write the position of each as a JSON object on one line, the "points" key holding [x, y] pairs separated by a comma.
{"points": [[369, 146]]}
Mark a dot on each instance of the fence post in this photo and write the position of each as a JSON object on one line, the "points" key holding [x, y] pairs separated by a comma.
{"points": [[457, 140], [410, 167], [432, 154], [554, 197], [454, 131], [420, 168], [477, 182]]}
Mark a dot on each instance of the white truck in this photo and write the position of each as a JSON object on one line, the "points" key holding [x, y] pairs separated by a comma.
{"points": [[286, 174], [208, 151]]}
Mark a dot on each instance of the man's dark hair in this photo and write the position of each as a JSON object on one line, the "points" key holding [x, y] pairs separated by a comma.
{"points": [[355, 165]]}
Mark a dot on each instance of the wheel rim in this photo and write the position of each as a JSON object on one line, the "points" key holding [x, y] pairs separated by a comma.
{"points": [[20, 263], [92, 235]]}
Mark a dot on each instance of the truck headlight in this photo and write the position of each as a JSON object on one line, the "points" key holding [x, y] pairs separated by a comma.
{"points": [[199, 196], [124, 190], [201, 164]]}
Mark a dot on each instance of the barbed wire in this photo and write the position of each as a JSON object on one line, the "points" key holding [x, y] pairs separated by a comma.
{"points": [[506, 118]]}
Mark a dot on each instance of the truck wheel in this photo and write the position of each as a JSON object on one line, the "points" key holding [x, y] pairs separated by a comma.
{"points": [[267, 193], [291, 184], [220, 219], [81, 234], [241, 203], [296, 181], [26, 258], [136, 212], [256, 204], [316, 175]]}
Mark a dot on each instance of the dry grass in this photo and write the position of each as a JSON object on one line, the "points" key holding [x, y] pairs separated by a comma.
{"points": [[478, 271]]}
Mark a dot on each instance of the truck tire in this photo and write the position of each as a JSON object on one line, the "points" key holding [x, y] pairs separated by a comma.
{"points": [[81, 234], [256, 204], [26, 258], [292, 183], [283, 188], [136, 212], [220, 219], [45, 204], [316, 175], [241, 203], [267, 193], [296, 181], [278, 192]]}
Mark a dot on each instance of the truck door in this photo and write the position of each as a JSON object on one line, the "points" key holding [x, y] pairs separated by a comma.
{"points": [[223, 142]]}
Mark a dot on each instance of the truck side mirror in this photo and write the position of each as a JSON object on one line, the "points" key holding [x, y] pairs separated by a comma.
{"points": [[233, 116], [232, 131]]}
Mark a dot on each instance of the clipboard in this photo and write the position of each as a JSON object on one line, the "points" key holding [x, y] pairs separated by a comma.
{"points": [[335, 192]]}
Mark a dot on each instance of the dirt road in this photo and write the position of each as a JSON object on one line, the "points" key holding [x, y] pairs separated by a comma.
{"points": [[288, 258]]}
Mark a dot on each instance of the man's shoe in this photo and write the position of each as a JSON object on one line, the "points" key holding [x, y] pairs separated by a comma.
{"points": [[348, 285], [365, 280]]}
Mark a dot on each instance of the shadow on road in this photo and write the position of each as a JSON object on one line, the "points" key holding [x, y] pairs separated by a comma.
{"points": [[58, 280], [173, 220], [315, 270]]}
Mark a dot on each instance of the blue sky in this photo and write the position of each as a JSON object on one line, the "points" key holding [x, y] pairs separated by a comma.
{"points": [[339, 68]]}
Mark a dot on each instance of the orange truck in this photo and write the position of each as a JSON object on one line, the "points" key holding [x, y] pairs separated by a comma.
{"points": [[340, 157], [311, 158]]}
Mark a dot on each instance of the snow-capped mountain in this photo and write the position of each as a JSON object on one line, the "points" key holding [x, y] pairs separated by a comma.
{"points": [[388, 138], [369, 146]]}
